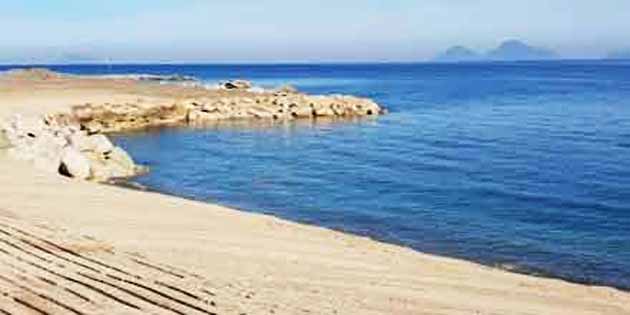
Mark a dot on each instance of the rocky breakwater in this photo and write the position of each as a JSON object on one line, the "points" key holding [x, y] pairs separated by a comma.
{"points": [[281, 105], [235, 100], [61, 147], [72, 142]]}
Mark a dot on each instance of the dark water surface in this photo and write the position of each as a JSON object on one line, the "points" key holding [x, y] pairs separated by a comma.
{"points": [[520, 164]]}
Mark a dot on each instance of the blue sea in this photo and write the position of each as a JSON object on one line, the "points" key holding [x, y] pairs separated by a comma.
{"points": [[523, 165]]}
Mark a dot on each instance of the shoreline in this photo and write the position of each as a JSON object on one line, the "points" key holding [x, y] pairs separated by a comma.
{"points": [[291, 267], [129, 183]]}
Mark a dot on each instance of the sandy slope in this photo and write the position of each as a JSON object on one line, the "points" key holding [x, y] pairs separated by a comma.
{"points": [[142, 252]]}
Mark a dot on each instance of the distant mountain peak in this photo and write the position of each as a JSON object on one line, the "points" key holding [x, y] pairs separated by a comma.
{"points": [[509, 50], [515, 50], [460, 49], [512, 43], [457, 54]]}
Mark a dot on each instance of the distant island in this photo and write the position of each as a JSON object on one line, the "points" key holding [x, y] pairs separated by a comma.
{"points": [[458, 54], [511, 50]]}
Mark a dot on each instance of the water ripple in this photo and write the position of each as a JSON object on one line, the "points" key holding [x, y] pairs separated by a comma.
{"points": [[523, 165]]}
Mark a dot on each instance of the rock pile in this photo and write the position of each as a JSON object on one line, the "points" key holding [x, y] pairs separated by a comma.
{"points": [[282, 105], [62, 147], [110, 117], [73, 144]]}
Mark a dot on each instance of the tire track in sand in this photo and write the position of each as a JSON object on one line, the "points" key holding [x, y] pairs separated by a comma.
{"points": [[45, 271]]}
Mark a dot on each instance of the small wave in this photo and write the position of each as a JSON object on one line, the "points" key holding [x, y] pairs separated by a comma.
{"points": [[213, 86], [152, 77], [550, 200]]}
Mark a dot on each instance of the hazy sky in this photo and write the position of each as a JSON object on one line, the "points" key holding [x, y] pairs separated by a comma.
{"points": [[301, 30]]}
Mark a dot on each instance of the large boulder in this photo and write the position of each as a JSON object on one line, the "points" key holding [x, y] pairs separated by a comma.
{"points": [[60, 147], [322, 108], [125, 164], [47, 161], [47, 152], [100, 143], [74, 164], [43, 149], [113, 164], [23, 130], [96, 143], [302, 112]]}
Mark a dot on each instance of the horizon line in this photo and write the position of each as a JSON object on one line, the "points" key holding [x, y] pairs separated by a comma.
{"points": [[291, 62]]}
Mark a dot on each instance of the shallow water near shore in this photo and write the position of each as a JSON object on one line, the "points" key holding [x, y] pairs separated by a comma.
{"points": [[511, 164]]}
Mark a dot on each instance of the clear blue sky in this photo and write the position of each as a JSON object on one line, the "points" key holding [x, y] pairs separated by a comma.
{"points": [[292, 30]]}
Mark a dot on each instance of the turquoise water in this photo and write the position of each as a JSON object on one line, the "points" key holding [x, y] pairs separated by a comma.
{"points": [[519, 164]]}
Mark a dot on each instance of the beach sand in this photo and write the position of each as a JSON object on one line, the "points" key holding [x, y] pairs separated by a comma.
{"points": [[71, 247]]}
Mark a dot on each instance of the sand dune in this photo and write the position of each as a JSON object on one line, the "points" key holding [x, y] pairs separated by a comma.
{"points": [[70, 247]]}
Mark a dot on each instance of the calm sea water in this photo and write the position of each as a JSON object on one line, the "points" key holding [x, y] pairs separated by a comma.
{"points": [[518, 164]]}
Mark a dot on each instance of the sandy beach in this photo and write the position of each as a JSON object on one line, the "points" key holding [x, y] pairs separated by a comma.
{"points": [[75, 247]]}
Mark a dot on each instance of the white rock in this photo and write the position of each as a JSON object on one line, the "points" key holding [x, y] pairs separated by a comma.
{"points": [[30, 126], [47, 162], [124, 162], [96, 143], [101, 143], [78, 140], [114, 164], [101, 171], [75, 164]]}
